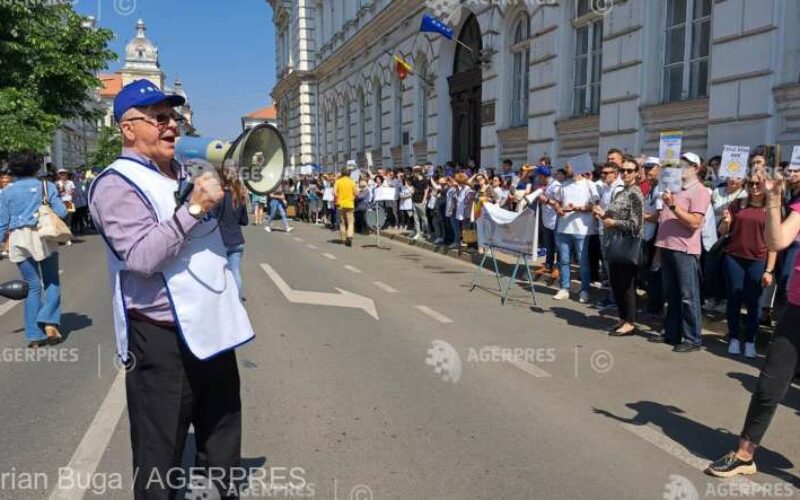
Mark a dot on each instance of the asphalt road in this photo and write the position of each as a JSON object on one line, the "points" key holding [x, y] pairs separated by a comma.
{"points": [[527, 402]]}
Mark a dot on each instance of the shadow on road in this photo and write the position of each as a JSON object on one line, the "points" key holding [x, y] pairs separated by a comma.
{"points": [[701, 440], [791, 400], [72, 322]]}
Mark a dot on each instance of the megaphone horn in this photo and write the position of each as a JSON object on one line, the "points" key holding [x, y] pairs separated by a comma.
{"points": [[259, 154]]}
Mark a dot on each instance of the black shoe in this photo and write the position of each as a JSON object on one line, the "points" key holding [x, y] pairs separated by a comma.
{"points": [[730, 465], [348, 242], [686, 347], [660, 339]]}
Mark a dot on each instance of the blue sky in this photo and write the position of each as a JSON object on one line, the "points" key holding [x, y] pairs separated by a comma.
{"points": [[224, 55]]}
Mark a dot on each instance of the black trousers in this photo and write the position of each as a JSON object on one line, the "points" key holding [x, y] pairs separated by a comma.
{"points": [[168, 389], [779, 369], [622, 278]]}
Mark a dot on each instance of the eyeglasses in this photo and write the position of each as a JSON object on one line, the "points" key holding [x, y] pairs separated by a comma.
{"points": [[628, 170], [754, 184], [161, 120]]}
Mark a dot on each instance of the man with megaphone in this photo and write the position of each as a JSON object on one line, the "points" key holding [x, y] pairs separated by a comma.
{"points": [[177, 313]]}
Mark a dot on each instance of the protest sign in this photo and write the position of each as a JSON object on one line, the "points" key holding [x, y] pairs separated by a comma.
{"points": [[734, 162], [385, 194], [671, 179], [669, 148], [581, 164], [795, 161]]}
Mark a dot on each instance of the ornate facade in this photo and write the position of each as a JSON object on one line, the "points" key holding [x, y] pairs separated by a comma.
{"points": [[556, 77]]}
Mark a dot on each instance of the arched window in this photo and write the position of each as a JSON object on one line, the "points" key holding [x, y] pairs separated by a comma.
{"points": [[398, 112], [422, 102], [141, 53], [362, 129], [520, 50], [377, 115], [348, 144]]}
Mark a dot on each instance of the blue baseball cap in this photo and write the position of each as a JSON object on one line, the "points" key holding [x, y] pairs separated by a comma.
{"points": [[142, 93]]}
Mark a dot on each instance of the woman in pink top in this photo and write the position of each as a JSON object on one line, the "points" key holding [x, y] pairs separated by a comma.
{"points": [[784, 351]]}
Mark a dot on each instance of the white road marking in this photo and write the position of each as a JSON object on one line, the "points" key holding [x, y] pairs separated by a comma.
{"points": [[312, 247], [329, 256], [523, 365], [383, 286], [297, 238], [441, 318], [87, 456], [341, 299], [679, 451], [8, 305], [352, 269]]}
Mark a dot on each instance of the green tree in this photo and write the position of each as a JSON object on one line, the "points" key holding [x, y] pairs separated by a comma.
{"points": [[109, 147], [49, 58]]}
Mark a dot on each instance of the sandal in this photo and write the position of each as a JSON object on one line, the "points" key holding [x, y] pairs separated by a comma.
{"points": [[37, 344], [53, 335]]}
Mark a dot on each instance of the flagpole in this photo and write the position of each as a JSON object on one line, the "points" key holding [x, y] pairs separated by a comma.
{"points": [[463, 44]]}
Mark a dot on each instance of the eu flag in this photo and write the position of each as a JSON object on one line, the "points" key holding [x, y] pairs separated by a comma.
{"points": [[431, 24]]}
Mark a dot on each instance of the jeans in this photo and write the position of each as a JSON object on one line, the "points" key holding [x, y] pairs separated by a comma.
{"points": [[549, 243], [235, 253], [275, 206], [41, 308], [681, 277], [420, 219], [456, 225], [776, 375], [744, 284], [566, 244]]}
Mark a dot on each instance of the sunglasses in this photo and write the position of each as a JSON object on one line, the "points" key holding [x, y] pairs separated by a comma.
{"points": [[753, 184], [628, 170], [160, 120]]}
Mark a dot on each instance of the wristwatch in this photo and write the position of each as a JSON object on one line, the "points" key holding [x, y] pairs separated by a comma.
{"points": [[196, 210]]}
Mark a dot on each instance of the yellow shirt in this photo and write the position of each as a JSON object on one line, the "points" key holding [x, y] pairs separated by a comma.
{"points": [[345, 190]]}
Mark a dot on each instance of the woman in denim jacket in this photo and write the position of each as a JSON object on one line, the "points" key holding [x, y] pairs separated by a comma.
{"points": [[37, 259]]}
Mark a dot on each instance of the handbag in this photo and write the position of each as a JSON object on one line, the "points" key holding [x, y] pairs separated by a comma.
{"points": [[49, 225], [622, 249]]}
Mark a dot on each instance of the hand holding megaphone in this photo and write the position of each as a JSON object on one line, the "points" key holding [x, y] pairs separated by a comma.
{"points": [[207, 191]]}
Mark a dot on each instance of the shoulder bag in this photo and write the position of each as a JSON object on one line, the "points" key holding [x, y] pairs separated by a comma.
{"points": [[49, 225]]}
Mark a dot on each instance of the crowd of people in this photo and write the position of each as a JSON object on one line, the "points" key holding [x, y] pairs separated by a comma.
{"points": [[701, 247]]}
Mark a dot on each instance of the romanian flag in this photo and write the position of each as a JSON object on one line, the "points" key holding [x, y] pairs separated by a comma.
{"points": [[402, 67]]}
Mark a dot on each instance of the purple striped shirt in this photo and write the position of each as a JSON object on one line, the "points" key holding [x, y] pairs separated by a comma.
{"points": [[133, 231]]}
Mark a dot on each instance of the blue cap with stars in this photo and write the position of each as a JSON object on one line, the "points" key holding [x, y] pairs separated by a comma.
{"points": [[142, 93]]}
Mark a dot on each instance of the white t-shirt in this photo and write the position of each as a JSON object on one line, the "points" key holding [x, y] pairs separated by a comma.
{"points": [[578, 193], [652, 203], [549, 214], [607, 193]]}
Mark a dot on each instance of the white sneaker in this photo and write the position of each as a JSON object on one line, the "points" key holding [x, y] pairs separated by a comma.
{"points": [[561, 295], [583, 298], [734, 347], [438, 241], [289, 229], [750, 350], [267, 229], [416, 237]]}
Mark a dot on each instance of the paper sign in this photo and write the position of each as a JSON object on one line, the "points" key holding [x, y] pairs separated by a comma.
{"points": [[734, 162], [355, 174], [327, 194], [795, 161], [671, 179], [385, 194], [669, 149], [368, 154], [581, 164]]}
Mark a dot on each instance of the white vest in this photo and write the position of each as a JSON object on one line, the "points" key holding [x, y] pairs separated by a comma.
{"points": [[200, 286]]}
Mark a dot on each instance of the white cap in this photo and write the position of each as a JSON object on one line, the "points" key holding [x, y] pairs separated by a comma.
{"points": [[692, 158], [652, 160]]}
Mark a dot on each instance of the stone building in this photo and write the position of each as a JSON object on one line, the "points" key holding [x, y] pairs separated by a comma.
{"points": [[556, 77]]}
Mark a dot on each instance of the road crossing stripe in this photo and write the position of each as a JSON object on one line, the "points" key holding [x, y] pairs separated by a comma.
{"points": [[312, 247], [352, 269], [329, 256], [441, 318], [383, 286]]}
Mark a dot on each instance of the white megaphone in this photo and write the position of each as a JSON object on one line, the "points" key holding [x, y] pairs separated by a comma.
{"points": [[259, 155]]}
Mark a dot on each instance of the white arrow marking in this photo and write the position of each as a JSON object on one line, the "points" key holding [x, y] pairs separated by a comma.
{"points": [[341, 299]]}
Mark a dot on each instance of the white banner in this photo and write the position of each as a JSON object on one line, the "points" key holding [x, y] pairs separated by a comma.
{"points": [[734, 162], [385, 194], [512, 231]]}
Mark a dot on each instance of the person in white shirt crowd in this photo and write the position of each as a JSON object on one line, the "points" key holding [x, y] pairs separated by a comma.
{"points": [[651, 268], [574, 203], [547, 201], [608, 187]]}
